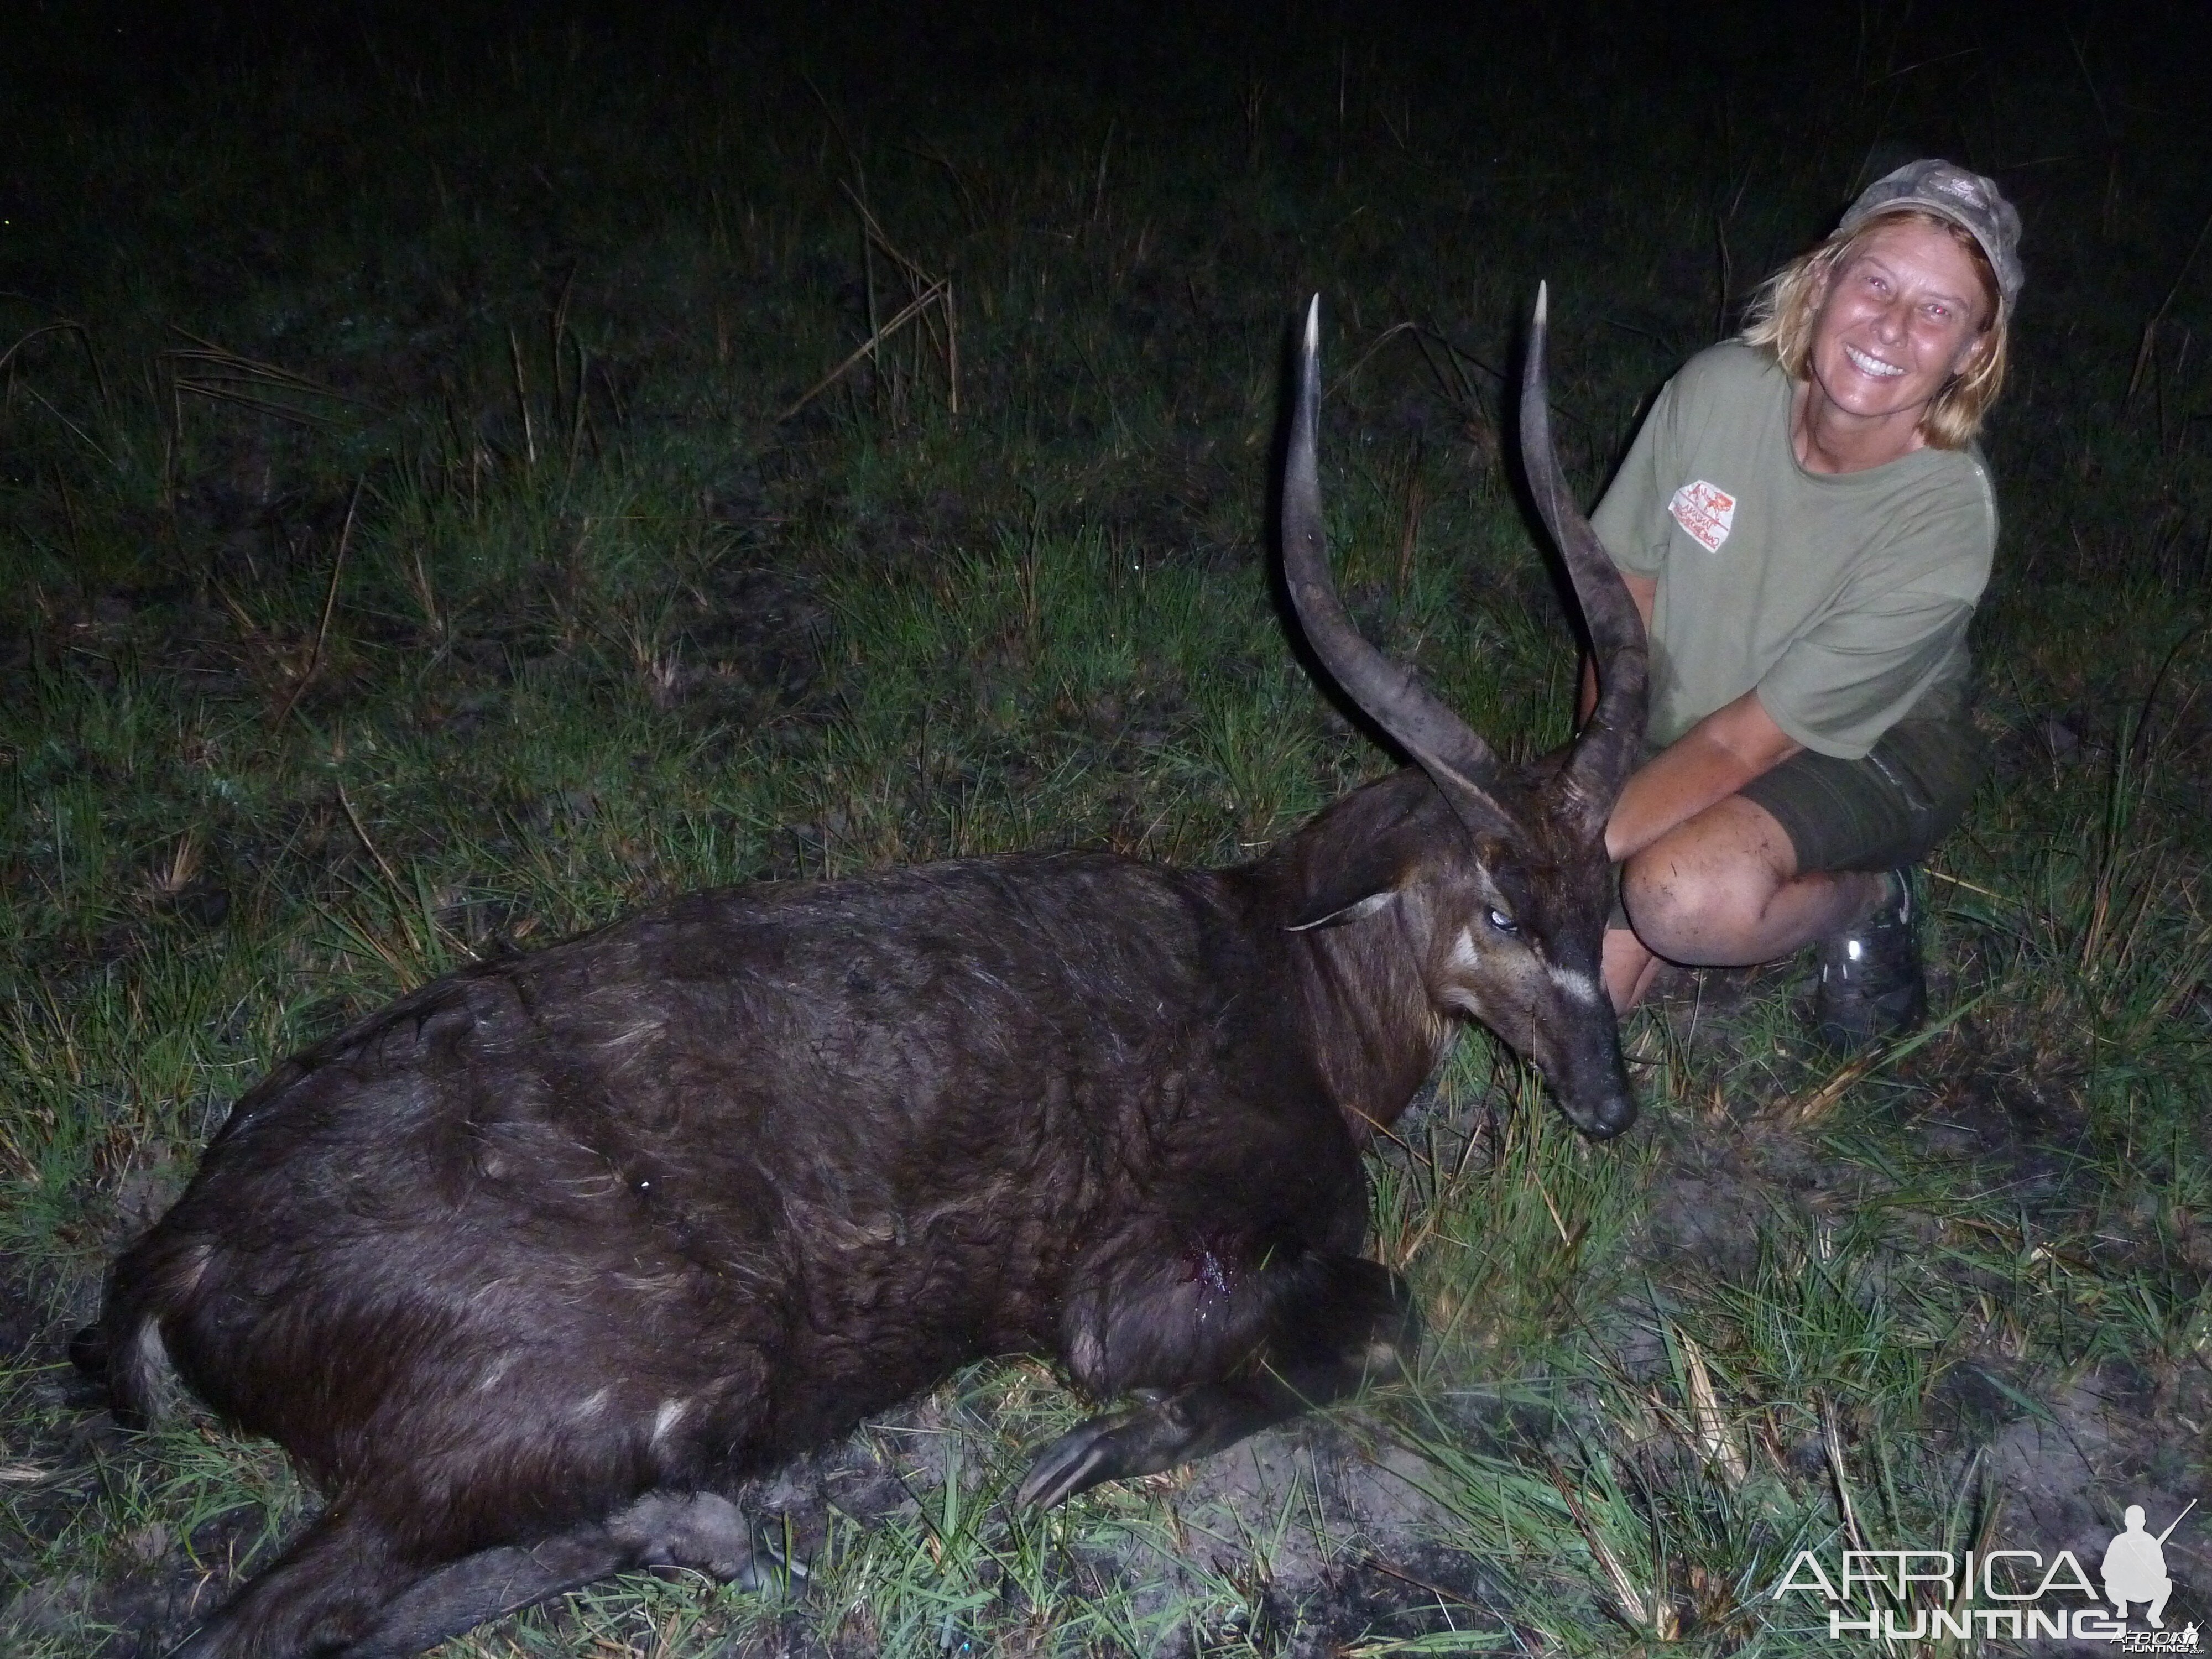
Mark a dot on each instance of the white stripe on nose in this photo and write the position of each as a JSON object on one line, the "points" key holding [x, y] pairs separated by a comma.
{"points": [[1576, 984]]}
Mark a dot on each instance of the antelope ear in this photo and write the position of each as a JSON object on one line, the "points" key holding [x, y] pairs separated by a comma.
{"points": [[1357, 910]]}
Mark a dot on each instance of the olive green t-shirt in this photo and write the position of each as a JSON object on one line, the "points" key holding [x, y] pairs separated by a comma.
{"points": [[1843, 599]]}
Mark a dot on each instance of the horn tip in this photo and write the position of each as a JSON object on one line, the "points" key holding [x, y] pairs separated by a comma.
{"points": [[1543, 301], [1313, 326]]}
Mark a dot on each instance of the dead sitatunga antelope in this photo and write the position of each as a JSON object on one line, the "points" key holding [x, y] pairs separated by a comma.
{"points": [[529, 1271]]}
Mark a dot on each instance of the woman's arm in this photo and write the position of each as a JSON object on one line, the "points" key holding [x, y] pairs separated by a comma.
{"points": [[1707, 763]]}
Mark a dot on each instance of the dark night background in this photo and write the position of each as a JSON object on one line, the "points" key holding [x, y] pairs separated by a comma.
{"points": [[426, 530]]}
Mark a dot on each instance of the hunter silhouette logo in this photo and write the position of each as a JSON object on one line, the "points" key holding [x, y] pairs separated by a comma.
{"points": [[2135, 1565], [1915, 1596]]}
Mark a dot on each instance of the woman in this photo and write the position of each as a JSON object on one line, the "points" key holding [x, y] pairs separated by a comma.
{"points": [[1806, 529]]}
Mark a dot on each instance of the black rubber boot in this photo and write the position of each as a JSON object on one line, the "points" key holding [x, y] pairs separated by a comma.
{"points": [[1871, 984]]}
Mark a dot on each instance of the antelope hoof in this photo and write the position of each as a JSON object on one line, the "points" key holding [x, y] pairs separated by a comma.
{"points": [[701, 1530], [1086, 1456]]}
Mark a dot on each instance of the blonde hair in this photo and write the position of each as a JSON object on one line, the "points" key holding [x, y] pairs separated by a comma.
{"points": [[1782, 314]]}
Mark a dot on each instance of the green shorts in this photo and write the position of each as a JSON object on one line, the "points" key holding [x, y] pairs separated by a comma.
{"points": [[1890, 807]]}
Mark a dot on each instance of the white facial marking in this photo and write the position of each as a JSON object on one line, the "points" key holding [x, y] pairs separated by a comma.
{"points": [[1579, 985], [1463, 953]]}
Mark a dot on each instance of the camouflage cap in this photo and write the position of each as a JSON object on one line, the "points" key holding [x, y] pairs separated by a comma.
{"points": [[1966, 200]]}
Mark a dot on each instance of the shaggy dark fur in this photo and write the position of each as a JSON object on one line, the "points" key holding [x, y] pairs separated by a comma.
{"points": [[530, 1269]]}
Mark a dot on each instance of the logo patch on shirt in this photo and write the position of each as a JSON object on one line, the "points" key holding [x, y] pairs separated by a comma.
{"points": [[1706, 511]]}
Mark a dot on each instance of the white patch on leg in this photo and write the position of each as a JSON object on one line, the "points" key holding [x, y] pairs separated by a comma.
{"points": [[153, 1351]]}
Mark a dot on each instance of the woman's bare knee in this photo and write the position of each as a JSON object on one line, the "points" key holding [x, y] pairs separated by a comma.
{"points": [[1699, 894], [1687, 915]]}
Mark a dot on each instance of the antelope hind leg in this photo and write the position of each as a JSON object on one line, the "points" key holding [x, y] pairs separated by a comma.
{"points": [[1353, 1321], [699, 1530], [316, 1597]]}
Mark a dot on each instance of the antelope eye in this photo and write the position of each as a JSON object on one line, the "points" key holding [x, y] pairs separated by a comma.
{"points": [[1503, 923]]}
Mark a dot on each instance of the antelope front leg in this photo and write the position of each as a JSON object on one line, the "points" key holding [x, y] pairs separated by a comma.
{"points": [[1217, 1349]]}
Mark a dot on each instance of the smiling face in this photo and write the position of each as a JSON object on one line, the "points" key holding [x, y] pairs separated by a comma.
{"points": [[1900, 314]]}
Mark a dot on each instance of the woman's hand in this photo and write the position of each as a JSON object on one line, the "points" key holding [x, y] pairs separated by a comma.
{"points": [[1708, 763]]}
